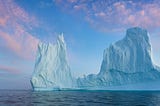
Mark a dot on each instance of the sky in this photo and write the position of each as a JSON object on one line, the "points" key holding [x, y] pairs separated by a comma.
{"points": [[89, 26]]}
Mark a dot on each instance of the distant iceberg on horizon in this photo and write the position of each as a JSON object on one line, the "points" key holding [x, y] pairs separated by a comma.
{"points": [[128, 61]]}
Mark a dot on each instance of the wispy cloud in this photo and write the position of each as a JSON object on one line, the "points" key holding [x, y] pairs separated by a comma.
{"points": [[110, 15], [3, 20], [9, 69], [14, 25]]}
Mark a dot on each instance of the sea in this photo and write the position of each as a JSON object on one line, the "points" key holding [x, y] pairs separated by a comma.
{"points": [[79, 98]]}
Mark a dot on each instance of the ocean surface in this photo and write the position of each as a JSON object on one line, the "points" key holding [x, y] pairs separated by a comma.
{"points": [[79, 98]]}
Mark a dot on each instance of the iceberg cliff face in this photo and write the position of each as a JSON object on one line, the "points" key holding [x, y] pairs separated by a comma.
{"points": [[126, 61], [131, 54], [51, 68]]}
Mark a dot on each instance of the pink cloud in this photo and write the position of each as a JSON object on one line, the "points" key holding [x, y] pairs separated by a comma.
{"points": [[79, 7], [147, 16], [116, 14], [3, 21], [23, 46], [9, 69], [14, 21], [100, 14], [10, 42], [11, 9]]}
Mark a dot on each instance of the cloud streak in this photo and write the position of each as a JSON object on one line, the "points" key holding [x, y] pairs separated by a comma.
{"points": [[9, 69], [15, 24]]}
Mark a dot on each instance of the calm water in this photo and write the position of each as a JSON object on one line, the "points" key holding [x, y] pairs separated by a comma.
{"points": [[79, 98]]}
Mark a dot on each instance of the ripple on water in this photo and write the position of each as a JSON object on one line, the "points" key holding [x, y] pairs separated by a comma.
{"points": [[74, 98]]}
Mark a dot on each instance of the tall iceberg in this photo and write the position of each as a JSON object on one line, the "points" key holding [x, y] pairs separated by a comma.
{"points": [[124, 62], [52, 71], [127, 61]]}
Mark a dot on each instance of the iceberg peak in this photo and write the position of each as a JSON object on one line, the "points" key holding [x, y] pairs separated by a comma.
{"points": [[61, 42], [61, 38], [137, 33]]}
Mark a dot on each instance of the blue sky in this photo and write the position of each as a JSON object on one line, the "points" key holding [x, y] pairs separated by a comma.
{"points": [[89, 26]]}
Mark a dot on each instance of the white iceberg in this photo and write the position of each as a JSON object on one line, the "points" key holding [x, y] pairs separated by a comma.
{"points": [[52, 71], [124, 62]]}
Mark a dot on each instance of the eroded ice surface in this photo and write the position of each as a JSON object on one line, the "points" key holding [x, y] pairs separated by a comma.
{"points": [[52, 71], [124, 62]]}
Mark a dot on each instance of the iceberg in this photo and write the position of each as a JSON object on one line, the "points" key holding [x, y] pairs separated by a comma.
{"points": [[127, 61], [52, 71]]}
